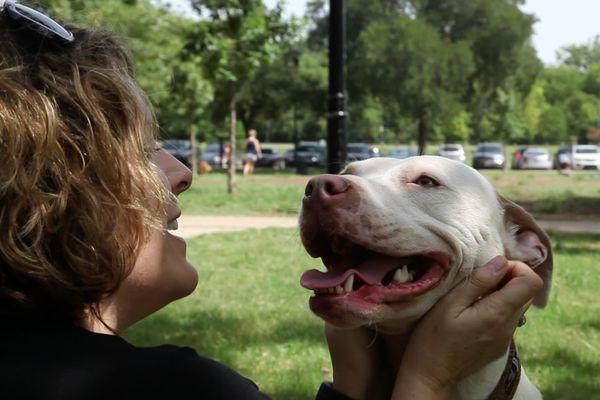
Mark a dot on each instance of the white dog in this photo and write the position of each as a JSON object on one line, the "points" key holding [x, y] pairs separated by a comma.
{"points": [[396, 235]]}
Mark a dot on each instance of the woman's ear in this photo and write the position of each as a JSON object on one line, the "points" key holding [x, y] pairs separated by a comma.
{"points": [[526, 241]]}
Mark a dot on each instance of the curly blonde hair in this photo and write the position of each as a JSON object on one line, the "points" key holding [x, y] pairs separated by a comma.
{"points": [[76, 183]]}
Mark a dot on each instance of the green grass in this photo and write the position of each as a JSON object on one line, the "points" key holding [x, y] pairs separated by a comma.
{"points": [[268, 193], [250, 312], [259, 194]]}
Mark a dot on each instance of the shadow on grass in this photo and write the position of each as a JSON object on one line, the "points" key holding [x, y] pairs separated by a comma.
{"points": [[572, 204], [578, 380], [571, 244], [219, 336]]}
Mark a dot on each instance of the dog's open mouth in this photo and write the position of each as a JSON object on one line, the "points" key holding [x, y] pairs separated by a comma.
{"points": [[354, 270]]}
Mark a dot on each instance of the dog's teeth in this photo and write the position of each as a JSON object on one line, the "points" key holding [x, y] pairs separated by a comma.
{"points": [[349, 283], [399, 275], [330, 290], [339, 290], [402, 275]]}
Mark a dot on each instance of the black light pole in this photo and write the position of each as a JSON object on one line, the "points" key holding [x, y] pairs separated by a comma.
{"points": [[336, 104]]}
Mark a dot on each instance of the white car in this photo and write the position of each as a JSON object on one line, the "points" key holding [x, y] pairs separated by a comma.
{"points": [[585, 156], [452, 151]]}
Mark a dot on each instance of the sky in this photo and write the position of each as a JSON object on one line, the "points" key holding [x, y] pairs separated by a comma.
{"points": [[560, 22]]}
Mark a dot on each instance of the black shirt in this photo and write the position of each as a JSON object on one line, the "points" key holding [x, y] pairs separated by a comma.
{"points": [[52, 360]]}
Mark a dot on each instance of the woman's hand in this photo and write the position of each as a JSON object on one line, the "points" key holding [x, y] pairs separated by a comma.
{"points": [[358, 363], [464, 331]]}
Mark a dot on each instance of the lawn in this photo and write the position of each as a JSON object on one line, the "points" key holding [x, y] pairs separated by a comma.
{"points": [[542, 192], [250, 312]]}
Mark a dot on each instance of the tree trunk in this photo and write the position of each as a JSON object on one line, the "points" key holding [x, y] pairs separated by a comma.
{"points": [[423, 133], [232, 137]]}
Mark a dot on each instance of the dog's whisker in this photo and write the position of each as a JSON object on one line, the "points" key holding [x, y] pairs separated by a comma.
{"points": [[375, 335]]}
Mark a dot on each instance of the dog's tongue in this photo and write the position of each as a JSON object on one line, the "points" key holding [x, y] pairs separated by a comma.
{"points": [[371, 271]]}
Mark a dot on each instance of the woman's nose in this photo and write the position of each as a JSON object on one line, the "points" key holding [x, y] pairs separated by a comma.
{"points": [[180, 178]]}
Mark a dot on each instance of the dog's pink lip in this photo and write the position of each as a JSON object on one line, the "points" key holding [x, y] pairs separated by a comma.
{"points": [[375, 294], [368, 301]]}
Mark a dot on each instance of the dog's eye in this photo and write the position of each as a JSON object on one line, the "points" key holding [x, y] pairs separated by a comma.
{"points": [[426, 181]]}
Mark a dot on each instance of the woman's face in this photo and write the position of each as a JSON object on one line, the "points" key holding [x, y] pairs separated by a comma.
{"points": [[162, 273]]}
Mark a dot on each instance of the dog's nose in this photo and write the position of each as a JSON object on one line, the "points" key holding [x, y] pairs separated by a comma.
{"points": [[326, 187]]}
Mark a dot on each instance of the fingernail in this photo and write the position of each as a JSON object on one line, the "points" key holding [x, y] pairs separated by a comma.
{"points": [[496, 264]]}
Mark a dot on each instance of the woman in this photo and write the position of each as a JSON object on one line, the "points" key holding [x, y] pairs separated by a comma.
{"points": [[86, 204], [253, 152]]}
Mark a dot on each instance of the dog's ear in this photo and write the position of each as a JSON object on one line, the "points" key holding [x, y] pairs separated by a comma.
{"points": [[527, 242]]}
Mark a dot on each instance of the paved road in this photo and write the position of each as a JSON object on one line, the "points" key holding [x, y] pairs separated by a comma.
{"points": [[190, 226], [194, 225]]}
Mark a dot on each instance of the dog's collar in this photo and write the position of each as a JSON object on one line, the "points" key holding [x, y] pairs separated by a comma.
{"points": [[509, 381]]}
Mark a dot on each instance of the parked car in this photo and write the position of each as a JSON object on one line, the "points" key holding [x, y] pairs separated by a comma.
{"points": [[452, 151], [402, 152], [311, 153], [532, 158], [581, 156], [360, 151], [586, 157], [180, 149], [288, 156], [212, 154], [271, 158], [489, 155]]}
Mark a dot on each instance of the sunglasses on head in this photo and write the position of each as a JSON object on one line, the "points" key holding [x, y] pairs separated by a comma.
{"points": [[35, 20]]}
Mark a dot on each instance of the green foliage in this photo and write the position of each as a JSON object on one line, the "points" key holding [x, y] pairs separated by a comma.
{"points": [[437, 70], [582, 114], [459, 128], [533, 109], [591, 83], [428, 74], [560, 83], [581, 56], [155, 36], [236, 39], [553, 125]]}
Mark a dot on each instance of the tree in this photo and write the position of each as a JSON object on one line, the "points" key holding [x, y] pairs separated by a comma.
{"points": [[235, 38], [408, 64], [155, 36], [581, 56], [591, 82], [495, 38], [560, 83], [534, 107], [553, 125], [582, 115], [498, 34]]}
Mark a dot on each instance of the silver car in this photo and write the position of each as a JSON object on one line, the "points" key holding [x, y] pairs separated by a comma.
{"points": [[533, 158], [489, 155], [452, 151]]}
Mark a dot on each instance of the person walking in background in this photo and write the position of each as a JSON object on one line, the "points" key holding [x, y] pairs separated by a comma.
{"points": [[226, 157], [253, 152]]}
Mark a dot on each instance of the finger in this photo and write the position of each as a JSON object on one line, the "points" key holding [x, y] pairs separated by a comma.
{"points": [[482, 281], [519, 291]]}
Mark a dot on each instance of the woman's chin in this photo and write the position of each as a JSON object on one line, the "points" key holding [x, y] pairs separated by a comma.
{"points": [[186, 282]]}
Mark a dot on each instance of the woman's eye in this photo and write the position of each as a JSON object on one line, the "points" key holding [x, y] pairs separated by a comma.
{"points": [[426, 181], [151, 150]]}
